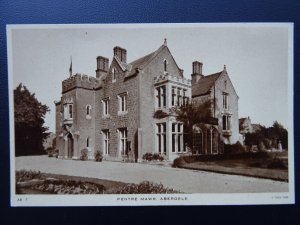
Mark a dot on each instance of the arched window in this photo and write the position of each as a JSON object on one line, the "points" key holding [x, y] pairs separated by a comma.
{"points": [[88, 110], [165, 65], [212, 140], [198, 140]]}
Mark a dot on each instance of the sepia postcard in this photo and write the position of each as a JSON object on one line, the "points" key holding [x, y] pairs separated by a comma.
{"points": [[151, 114]]}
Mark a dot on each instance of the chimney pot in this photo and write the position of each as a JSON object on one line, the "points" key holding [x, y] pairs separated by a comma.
{"points": [[121, 53]]}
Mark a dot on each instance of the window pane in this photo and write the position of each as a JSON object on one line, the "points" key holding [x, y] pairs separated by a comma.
{"points": [[173, 127]]}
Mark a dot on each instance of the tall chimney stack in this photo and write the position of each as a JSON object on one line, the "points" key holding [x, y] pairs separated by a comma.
{"points": [[102, 66], [197, 72], [120, 53]]}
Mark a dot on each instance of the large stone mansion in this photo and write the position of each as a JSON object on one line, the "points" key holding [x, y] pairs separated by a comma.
{"points": [[113, 112]]}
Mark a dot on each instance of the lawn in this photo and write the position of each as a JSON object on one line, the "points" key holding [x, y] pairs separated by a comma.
{"points": [[254, 167], [33, 182]]}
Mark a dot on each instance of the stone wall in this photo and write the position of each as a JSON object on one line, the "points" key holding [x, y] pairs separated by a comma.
{"points": [[111, 89], [147, 97]]}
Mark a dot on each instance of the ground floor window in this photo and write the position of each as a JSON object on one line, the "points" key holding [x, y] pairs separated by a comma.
{"points": [[123, 140], [106, 142], [177, 137], [198, 141], [161, 138], [212, 141]]}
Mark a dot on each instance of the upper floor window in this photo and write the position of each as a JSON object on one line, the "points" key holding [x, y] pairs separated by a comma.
{"points": [[161, 96], [165, 65], [68, 111], [185, 97], [105, 104], [122, 98], [113, 73], [226, 122], [225, 101], [179, 96]]}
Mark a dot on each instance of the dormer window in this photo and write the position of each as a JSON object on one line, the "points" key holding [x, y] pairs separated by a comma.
{"points": [[165, 65], [113, 73]]}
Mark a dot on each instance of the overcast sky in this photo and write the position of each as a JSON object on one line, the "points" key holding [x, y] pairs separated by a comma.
{"points": [[256, 57]]}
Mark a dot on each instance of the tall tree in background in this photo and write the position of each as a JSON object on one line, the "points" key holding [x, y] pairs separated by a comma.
{"points": [[29, 122]]}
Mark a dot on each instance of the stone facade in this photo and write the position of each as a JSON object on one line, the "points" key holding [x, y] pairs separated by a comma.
{"points": [[218, 89], [114, 112]]}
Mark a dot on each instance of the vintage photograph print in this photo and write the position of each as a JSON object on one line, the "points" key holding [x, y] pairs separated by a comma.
{"points": [[151, 114]]}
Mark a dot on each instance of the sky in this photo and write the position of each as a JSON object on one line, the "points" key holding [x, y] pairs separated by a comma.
{"points": [[258, 59]]}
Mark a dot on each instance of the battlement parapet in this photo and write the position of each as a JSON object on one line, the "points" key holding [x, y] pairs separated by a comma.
{"points": [[80, 81]]}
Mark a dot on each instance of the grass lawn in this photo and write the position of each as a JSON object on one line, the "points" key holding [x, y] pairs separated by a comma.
{"points": [[246, 167]]}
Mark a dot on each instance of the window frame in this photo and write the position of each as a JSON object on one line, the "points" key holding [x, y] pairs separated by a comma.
{"points": [[161, 136], [122, 102], [68, 111], [106, 144], [161, 97], [177, 138], [225, 100], [105, 107], [113, 75], [123, 137]]}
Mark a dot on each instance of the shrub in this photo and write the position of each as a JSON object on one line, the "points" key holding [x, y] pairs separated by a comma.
{"points": [[84, 154], [145, 187], [56, 153], [277, 163], [261, 147], [69, 187], [178, 162], [234, 148], [157, 156], [149, 156], [50, 151], [159, 114], [98, 156], [25, 175], [267, 143]]}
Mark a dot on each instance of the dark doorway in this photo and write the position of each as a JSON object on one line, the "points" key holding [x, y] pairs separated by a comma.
{"points": [[70, 146]]}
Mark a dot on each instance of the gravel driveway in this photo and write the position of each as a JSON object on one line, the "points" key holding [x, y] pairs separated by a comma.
{"points": [[187, 181]]}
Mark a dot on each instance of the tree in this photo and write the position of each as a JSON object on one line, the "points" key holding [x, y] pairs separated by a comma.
{"points": [[269, 136], [192, 113], [29, 116]]}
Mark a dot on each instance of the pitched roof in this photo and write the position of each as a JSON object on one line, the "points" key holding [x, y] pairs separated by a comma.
{"points": [[205, 84], [142, 62]]}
